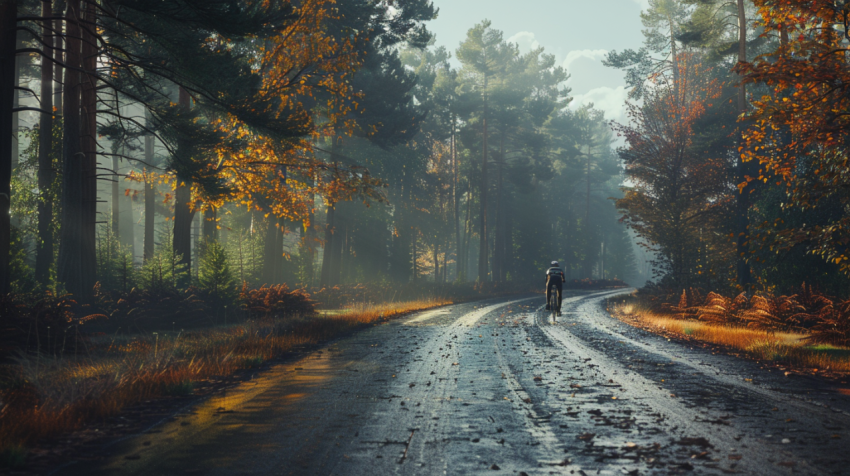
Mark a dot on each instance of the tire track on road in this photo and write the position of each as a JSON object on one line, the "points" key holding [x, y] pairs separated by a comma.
{"points": [[756, 456]]}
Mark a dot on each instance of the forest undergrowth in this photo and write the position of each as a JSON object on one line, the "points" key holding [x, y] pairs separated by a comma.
{"points": [[806, 331]]}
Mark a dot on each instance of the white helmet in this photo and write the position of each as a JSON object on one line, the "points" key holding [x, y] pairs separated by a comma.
{"points": [[555, 264]]}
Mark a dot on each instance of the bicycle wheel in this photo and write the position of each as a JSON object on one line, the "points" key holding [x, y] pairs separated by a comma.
{"points": [[553, 302]]}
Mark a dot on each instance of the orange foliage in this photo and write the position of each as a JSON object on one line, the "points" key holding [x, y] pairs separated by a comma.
{"points": [[303, 69], [674, 190], [798, 131]]}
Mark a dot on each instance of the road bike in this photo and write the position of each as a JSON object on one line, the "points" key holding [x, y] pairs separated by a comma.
{"points": [[553, 301]]}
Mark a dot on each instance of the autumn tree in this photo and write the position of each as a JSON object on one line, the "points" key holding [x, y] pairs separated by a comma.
{"points": [[674, 191], [799, 128]]}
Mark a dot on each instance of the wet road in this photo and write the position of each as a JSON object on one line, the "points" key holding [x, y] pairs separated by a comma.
{"points": [[492, 387]]}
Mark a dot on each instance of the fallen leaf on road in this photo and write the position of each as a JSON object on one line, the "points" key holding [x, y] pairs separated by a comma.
{"points": [[788, 464], [538, 379], [495, 467], [586, 436], [735, 457]]}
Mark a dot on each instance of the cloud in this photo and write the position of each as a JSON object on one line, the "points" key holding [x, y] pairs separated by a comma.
{"points": [[644, 4], [593, 55], [525, 40], [610, 100]]}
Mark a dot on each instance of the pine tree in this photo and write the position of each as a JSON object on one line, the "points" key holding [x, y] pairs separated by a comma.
{"points": [[215, 276]]}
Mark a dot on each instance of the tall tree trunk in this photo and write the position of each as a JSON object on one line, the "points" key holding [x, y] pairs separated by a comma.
{"points": [[8, 24], [456, 202], [483, 251], [272, 249], [69, 267], [332, 250], [88, 132], [196, 244], [128, 222], [16, 117], [58, 55], [312, 238], [742, 222], [183, 215], [210, 226], [44, 243], [415, 256], [587, 198], [445, 276], [116, 195], [340, 225], [150, 200], [499, 245], [436, 262], [467, 238], [327, 251], [183, 210], [508, 243], [345, 260], [307, 254]]}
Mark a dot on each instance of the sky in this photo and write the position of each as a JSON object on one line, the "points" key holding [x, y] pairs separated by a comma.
{"points": [[577, 32]]}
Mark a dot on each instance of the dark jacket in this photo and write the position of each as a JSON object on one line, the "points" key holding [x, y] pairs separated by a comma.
{"points": [[555, 276]]}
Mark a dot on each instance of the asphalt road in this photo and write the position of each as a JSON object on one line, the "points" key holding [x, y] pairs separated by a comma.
{"points": [[492, 387]]}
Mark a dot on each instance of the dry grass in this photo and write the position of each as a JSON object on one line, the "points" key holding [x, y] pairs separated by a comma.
{"points": [[46, 396], [790, 348]]}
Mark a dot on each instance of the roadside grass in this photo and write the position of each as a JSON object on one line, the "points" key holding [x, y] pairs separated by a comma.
{"points": [[49, 396], [782, 347]]}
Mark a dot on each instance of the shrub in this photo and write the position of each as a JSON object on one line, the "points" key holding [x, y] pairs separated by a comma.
{"points": [[41, 322], [773, 313], [723, 310], [832, 325], [143, 309], [275, 301]]}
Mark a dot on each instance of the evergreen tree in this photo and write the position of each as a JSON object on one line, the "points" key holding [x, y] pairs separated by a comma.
{"points": [[215, 276]]}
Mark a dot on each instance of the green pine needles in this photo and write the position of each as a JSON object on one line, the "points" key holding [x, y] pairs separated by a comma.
{"points": [[214, 274]]}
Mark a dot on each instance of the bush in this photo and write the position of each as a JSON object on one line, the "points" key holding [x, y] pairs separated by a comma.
{"points": [[144, 310], [43, 323], [275, 301]]}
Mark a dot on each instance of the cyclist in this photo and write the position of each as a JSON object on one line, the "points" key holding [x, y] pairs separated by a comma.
{"points": [[555, 277]]}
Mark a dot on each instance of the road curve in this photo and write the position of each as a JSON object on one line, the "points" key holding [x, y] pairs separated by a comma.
{"points": [[494, 387]]}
